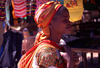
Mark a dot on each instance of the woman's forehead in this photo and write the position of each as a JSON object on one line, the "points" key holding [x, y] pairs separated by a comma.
{"points": [[62, 11], [63, 14]]}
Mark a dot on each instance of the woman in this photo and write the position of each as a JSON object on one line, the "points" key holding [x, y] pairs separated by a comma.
{"points": [[53, 18]]}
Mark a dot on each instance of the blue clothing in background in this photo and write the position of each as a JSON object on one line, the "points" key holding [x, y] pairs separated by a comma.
{"points": [[1, 51]]}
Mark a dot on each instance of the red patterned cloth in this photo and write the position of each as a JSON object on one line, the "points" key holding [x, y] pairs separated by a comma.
{"points": [[20, 8], [31, 8], [2, 10], [27, 59]]}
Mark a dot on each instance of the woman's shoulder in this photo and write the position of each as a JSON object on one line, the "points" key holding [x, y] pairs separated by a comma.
{"points": [[46, 49], [48, 56]]}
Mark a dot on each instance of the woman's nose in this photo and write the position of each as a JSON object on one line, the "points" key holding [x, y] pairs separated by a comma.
{"points": [[70, 23]]}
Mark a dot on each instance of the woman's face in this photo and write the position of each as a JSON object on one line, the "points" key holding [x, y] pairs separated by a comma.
{"points": [[61, 24]]}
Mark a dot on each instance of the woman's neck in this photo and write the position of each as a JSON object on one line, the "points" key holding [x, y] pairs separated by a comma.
{"points": [[55, 37]]}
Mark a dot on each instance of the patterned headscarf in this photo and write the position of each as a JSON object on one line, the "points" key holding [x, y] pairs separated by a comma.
{"points": [[43, 17]]}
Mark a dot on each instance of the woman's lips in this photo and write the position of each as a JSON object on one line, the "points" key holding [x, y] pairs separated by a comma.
{"points": [[68, 27]]}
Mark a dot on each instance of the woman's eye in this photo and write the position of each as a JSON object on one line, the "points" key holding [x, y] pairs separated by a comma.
{"points": [[65, 20]]}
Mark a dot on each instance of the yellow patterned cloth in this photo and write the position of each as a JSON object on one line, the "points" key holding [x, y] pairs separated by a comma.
{"points": [[48, 56], [75, 8]]}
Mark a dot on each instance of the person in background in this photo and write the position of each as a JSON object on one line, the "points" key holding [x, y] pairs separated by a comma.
{"points": [[25, 33], [53, 19], [28, 41], [27, 44]]}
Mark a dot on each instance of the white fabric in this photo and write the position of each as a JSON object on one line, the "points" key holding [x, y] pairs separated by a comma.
{"points": [[7, 12], [34, 64], [62, 42]]}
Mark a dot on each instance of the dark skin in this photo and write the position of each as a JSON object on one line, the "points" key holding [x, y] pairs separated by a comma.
{"points": [[59, 25]]}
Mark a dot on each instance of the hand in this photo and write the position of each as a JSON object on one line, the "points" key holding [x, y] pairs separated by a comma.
{"points": [[68, 50], [68, 56], [65, 56], [76, 59]]}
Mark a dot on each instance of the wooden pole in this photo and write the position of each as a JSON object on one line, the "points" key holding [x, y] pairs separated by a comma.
{"points": [[99, 57], [91, 58], [85, 50], [84, 60]]}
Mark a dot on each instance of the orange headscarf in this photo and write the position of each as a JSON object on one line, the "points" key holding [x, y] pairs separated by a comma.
{"points": [[43, 17]]}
